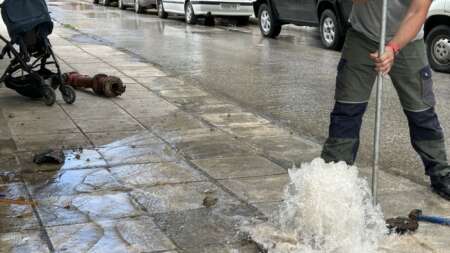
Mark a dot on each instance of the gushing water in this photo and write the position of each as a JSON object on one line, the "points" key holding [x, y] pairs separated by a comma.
{"points": [[327, 209]]}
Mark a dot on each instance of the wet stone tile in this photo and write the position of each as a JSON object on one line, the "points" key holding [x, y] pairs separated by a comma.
{"points": [[56, 211], [154, 153], [50, 141], [183, 92], [201, 228], [105, 205], [220, 146], [287, 150], [82, 159], [191, 135], [122, 235], [234, 119], [14, 217], [124, 123], [191, 104], [22, 242], [70, 182], [399, 203], [8, 164], [242, 247], [38, 127], [258, 130], [140, 108], [177, 121], [261, 189], [163, 83], [237, 167], [106, 138], [177, 197], [155, 174], [138, 139]]}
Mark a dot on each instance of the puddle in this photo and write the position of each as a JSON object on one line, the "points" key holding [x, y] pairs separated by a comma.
{"points": [[71, 5], [327, 209]]}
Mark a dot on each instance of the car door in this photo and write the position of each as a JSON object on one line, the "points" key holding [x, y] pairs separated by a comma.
{"points": [[306, 11], [286, 9]]}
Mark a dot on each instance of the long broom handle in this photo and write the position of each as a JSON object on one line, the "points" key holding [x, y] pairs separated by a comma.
{"points": [[376, 149]]}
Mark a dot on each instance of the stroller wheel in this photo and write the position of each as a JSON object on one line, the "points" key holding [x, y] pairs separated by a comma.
{"points": [[48, 94], [68, 94]]}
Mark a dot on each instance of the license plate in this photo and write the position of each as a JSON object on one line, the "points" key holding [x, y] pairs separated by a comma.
{"points": [[230, 6]]}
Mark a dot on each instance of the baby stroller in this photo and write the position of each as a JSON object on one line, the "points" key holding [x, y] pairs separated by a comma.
{"points": [[29, 25]]}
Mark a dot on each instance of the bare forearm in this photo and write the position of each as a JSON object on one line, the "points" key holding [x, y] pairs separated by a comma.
{"points": [[412, 23]]}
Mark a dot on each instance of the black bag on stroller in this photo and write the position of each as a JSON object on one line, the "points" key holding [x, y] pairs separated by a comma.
{"points": [[29, 25]]}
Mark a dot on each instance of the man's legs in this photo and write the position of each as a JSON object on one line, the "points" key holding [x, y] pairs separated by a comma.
{"points": [[412, 78], [354, 82]]}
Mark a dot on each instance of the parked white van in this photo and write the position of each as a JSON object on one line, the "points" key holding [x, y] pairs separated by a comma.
{"points": [[192, 9], [437, 35]]}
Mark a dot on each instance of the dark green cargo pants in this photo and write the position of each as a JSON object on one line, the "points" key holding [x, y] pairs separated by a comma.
{"points": [[411, 76]]}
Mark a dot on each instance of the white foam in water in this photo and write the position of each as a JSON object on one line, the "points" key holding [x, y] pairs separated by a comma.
{"points": [[327, 209]]}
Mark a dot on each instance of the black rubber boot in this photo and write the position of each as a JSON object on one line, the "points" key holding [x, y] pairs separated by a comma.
{"points": [[441, 185]]}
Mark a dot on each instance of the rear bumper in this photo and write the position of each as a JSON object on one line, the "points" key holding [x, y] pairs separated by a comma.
{"points": [[222, 8]]}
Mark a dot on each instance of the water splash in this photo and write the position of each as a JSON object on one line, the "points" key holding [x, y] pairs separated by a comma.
{"points": [[327, 209]]}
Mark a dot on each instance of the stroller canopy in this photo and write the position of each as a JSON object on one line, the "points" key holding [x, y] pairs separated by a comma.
{"points": [[22, 16]]}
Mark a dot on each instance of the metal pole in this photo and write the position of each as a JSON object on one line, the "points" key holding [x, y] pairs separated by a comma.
{"points": [[376, 149]]}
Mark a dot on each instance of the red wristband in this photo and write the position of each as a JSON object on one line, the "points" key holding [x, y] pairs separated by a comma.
{"points": [[394, 47]]}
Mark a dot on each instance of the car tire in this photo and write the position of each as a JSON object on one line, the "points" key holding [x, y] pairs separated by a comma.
{"points": [[438, 48], [268, 25], [189, 14], [243, 21], [161, 12], [95, 1], [138, 8], [121, 5], [106, 2], [331, 30]]}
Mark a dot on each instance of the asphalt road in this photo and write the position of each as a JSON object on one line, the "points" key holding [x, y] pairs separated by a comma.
{"points": [[289, 80]]}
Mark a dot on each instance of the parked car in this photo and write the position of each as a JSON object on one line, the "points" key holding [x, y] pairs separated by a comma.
{"points": [[104, 2], [437, 35], [192, 9], [330, 15], [139, 6]]}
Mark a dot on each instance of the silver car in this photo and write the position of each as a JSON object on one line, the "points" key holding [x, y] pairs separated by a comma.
{"points": [[139, 5]]}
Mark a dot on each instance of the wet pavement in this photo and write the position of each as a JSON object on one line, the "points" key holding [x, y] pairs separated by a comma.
{"points": [[172, 165], [289, 80]]}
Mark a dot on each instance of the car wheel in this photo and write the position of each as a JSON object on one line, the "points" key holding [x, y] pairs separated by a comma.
{"points": [[137, 7], [121, 5], [189, 14], [438, 48], [243, 21], [330, 30], [267, 24], [161, 12], [95, 2], [106, 2]]}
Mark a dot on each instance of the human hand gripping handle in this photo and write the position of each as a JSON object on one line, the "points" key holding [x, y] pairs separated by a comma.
{"points": [[384, 63]]}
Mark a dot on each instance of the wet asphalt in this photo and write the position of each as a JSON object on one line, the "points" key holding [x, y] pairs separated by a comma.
{"points": [[289, 80]]}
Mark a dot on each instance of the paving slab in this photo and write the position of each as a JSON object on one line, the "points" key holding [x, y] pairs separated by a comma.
{"points": [[23, 242], [155, 174], [138, 234], [154, 153], [106, 138], [218, 147], [258, 189], [201, 228], [238, 167], [51, 141], [123, 123], [163, 83], [184, 92], [70, 182], [15, 218], [38, 127], [167, 198], [176, 121], [287, 150], [234, 119]]}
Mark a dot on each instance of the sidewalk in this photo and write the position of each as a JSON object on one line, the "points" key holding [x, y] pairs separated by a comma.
{"points": [[166, 167]]}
